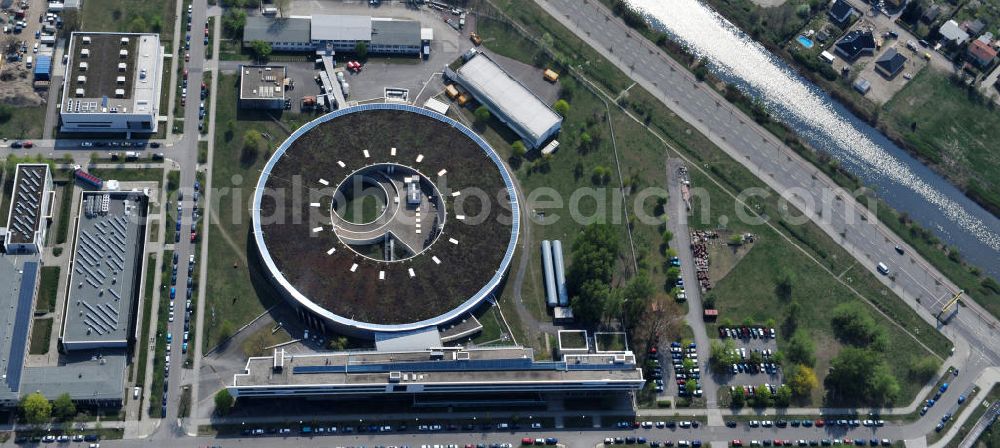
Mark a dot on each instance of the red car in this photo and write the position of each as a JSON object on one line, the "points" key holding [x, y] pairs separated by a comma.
{"points": [[206, 32], [527, 441], [737, 442], [185, 73], [819, 423], [28, 144], [194, 236]]}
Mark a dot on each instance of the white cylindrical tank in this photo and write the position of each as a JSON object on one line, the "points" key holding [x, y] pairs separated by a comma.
{"points": [[557, 258], [551, 295]]}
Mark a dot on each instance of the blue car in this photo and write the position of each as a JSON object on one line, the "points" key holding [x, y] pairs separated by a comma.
{"points": [[173, 293]]}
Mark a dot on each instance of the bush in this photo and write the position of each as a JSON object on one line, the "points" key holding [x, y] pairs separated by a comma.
{"points": [[664, 403], [482, 114], [854, 325], [800, 349], [561, 107], [223, 402]]}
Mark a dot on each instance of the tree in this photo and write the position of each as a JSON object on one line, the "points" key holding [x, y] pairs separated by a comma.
{"points": [[801, 349], [562, 107], [518, 148], [261, 50], [35, 408], [223, 402], [723, 354], [762, 396], [689, 364], [585, 139], [802, 380], [737, 398], [482, 114], [854, 325], [253, 145], [361, 49], [924, 369], [792, 316], [233, 22], [63, 407], [783, 284], [862, 376], [591, 302], [138, 24], [338, 343], [783, 396], [691, 388], [600, 175]]}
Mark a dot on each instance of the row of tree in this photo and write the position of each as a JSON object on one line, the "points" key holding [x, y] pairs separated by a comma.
{"points": [[35, 409]]}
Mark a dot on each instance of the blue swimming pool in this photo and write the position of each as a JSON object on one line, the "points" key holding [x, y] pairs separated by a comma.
{"points": [[805, 41]]}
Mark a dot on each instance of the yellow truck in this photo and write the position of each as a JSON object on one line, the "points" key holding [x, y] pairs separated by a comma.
{"points": [[550, 75]]}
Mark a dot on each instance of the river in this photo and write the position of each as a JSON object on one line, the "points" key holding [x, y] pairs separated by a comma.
{"points": [[902, 181]]}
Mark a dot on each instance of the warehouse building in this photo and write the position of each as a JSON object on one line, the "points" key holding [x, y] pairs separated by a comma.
{"points": [[262, 87], [112, 83], [30, 209], [496, 374], [284, 34], [332, 33], [507, 99], [105, 272]]}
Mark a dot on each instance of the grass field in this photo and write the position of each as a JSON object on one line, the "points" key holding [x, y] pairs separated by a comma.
{"points": [[129, 174], [950, 130], [48, 289], [26, 123], [130, 16], [65, 214], [235, 296], [41, 334], [147, 311], [749, 289]]}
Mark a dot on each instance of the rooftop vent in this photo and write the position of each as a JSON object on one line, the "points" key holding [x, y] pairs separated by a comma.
{"points": [[120, 80], [123, 54], [79, 92], [84, 53], [119, 93], [124, 41], [394, 377], [122, 66], [81, 79], [83, 66]]}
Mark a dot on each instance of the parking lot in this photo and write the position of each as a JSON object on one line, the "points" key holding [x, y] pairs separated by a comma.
{"points": [[755, 347], [29, 31]]}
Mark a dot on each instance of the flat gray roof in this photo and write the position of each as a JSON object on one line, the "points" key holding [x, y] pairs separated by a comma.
{"points": [[26, 203], [341, 27], [508, 95], [488, 366], [262, 82], [105, 269], [103, 77], [277, 29], [395, 32], [18, 274], [85, 377]]}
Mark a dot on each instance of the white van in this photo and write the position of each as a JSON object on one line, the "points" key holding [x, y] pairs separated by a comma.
{"points": [[29, 62], [882, 269]]}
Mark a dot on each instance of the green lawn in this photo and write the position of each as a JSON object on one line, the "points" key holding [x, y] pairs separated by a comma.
{"points": [[48, 289], [239, 291], [41, 334], [65, 212], [129, 174], [130, 16], [25, 123], [147, 312], [953, 131]]}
